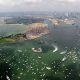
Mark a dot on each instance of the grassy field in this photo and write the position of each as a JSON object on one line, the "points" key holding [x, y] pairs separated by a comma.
{"points": [[5, 40]]}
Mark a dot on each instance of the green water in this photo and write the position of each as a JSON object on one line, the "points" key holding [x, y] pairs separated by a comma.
{"points": [[19, 62]]}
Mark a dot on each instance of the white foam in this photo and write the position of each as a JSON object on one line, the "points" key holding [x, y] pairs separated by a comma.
{"points": [[63, 52], [64, 59], [55, 48], [19, 50], [7, 77], [48, 68]]}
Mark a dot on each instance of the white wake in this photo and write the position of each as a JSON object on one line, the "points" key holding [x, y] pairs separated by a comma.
{"points": [[55, 48]]}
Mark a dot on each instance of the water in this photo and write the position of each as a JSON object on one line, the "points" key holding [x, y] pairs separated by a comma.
{"points": [[24, 64], [7, 29], [64, 35]]}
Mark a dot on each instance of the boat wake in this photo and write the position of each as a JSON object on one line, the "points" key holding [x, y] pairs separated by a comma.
{"points": [[55, 48]]}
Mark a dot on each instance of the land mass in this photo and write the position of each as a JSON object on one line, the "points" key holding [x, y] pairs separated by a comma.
{"points": [[33, 31]]}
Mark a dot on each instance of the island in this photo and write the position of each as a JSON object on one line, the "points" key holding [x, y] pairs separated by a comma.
{"points": [[33, 31]]}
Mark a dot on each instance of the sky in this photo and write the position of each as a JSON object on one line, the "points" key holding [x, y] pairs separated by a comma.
{"points": [[39, 5]]}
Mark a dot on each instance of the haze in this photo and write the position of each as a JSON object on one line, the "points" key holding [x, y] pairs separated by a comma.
{"points": [[39, 5]]}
